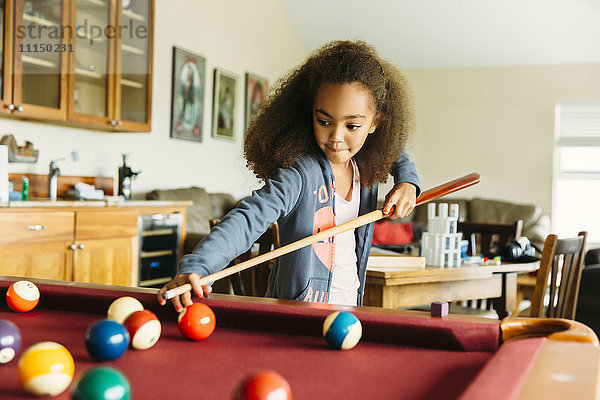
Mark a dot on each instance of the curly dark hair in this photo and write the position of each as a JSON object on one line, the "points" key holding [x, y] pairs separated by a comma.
{"points": [[282, 129]]}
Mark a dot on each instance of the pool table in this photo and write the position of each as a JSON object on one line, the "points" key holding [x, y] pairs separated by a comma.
{"points": [[402, 354]]}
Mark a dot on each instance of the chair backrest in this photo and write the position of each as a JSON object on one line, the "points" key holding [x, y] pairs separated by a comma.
{"points": [[560, 275], [490, 235], [588, 300], [254, 281], [592, 257]]}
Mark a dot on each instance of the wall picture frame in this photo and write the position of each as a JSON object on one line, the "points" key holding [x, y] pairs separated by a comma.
{"points": [[187, 96], [256, 92], [224, 104]]}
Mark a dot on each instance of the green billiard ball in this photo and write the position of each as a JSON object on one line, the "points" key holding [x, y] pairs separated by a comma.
{"points": [[102, 383]]}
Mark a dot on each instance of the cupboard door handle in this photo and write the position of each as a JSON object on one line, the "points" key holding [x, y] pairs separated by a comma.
{"points": [[10, 106], [20, 108], [81, 246], [36, 227], [113, 122], [119, 123], [73, 247]]}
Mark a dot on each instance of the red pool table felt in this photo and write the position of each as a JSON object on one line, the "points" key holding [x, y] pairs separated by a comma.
{"points": [[401, 356]]}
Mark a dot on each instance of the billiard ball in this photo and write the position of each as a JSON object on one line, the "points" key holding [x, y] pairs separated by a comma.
{"points": [[45, 369], [106, 340], [263, 385], [101, 383], [144, 329], [22, 296], [122, 308], [342, 330], [10, 340], [196, 322]]}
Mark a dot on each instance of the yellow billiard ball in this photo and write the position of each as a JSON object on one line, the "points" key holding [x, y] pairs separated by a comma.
{"points": [[45, 369]]}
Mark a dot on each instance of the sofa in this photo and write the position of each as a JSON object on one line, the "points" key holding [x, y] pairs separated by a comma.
{"points": [[536, 226], [206, 206]]}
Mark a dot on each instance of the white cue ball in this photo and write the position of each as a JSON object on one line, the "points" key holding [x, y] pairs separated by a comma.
{"points": [[122, 308]]}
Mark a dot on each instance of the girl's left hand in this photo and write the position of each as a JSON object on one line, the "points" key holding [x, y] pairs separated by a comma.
{"points": [[404, 197]]}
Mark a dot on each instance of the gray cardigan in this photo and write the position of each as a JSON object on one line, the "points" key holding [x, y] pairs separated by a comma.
{"points": [[301, 199]]}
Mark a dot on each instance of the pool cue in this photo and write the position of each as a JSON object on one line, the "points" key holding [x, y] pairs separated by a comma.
{"points": [[438, 191]]}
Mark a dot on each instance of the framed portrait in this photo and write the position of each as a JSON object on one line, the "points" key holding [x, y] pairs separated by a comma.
{"points": [[256, 91], [187, 97], [224, 101]]}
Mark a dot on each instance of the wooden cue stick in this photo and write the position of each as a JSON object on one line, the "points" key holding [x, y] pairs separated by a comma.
{"points": [[438, 191]]}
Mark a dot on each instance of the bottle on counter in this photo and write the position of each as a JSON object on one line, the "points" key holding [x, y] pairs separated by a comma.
{"points": [[25, 189], [126, 175]]}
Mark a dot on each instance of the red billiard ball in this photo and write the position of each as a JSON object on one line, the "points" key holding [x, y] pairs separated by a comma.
{"points": [[144, 329], [263, 385], [197, 322], [22, 296]]}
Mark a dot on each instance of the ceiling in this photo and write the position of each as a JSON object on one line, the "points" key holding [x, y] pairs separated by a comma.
{"points": [[457, 33]]}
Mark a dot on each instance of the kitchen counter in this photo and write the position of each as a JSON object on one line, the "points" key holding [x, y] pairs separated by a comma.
{"points": [[46, 203]]}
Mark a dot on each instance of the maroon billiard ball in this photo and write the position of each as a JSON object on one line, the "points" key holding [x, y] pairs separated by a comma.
{"points": [[263, 385], [144, 329]]}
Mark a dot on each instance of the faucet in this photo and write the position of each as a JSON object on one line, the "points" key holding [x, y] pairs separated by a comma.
{"points": [[53, 179]]}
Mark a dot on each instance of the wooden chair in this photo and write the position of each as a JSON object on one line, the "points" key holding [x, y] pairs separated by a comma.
{"points": [[491, 236], [559, 275], [253, 281], [588, 301], [592, 257], [486, 239]]}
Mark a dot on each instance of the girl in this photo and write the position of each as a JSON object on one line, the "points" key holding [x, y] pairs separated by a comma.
{"points": [[327, 134]]}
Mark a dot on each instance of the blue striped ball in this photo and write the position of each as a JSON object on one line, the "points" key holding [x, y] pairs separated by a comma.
{"points": [[342, 330]]}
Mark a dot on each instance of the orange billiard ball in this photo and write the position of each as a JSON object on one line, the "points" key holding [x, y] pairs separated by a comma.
{"points": [[22, 296], [197, 322], [263, 385]]}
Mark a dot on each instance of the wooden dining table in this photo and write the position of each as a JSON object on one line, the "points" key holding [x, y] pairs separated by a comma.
{"points": [[392, 287]]}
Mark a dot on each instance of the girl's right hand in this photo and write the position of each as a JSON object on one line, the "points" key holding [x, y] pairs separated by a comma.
{"points": [[185, 299]]}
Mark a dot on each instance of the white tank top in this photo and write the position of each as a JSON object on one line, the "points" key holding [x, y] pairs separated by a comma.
{"points": [[344, 285]]}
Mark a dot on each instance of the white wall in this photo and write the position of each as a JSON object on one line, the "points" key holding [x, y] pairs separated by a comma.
{"points": [[498, 122], [495, 121], [238, 36]]}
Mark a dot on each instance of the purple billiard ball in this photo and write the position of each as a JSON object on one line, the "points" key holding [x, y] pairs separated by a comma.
{"points": [[10, 340]]}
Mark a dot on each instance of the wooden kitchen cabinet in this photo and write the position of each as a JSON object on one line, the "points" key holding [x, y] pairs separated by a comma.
{"points": [[107, 247], [111, 261], [94, 244], [82, 62], [46, 260], [83, 246], [37, 244], [111, 75]]}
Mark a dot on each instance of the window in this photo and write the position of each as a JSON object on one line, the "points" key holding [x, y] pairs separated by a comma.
{"points": [[576, 182]]}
